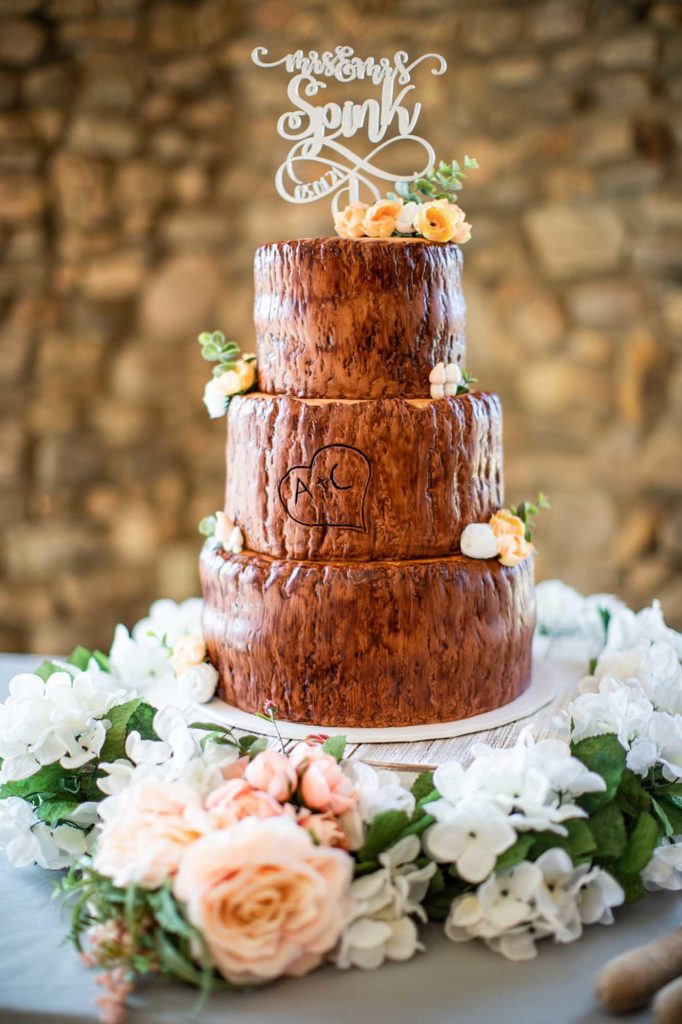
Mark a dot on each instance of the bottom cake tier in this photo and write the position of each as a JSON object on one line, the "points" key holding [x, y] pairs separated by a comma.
{"points": [[368, 643]]}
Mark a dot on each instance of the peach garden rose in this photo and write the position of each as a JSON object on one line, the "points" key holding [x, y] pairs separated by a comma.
{"points": [[380, 220], [511, 537], [273, 773], [267, 901], [442, 221], [155, 823], [236, 799], [324, 786], [348, 222]]}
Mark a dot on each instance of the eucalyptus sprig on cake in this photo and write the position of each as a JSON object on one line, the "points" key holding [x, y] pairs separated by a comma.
{"points": [[425, 207], [233, 374]]}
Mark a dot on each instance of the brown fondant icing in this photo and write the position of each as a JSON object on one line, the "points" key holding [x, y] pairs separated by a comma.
{"points": [[390, 478], [356, 318], [381, 643]]}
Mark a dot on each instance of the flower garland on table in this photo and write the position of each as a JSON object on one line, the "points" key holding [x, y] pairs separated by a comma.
{"points": [[174, 830], [425, 207]]}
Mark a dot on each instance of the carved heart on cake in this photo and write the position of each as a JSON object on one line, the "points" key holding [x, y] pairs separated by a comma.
{"points": [[330, 490]]}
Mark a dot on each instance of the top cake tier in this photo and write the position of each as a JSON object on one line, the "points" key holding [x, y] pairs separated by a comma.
{"points": [[356, 318]]}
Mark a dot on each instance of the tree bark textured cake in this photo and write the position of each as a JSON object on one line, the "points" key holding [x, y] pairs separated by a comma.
{"points": [[351, 604]]}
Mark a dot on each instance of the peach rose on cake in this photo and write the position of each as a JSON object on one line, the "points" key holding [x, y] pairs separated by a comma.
{"points": [[324, 786], [273, 773], [348, 222], [236, 799], [510, 532], [154, 824], [267, 901], [380, 220], [234, 382], [442, 221]]}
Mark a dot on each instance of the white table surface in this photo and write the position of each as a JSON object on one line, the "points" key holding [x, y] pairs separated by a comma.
{"points": [[42, 981]]}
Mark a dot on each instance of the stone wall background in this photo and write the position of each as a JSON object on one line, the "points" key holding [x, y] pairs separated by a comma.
{"points": [[137, 155]]}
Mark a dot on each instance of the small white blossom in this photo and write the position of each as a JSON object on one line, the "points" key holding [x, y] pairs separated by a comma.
{"points": [[378, 790], [26, 840], [471, 836], [628, 628], [379, 925], [664, 870], [562, 611], [59, 719], [198, 684], [405, 221], [479, 541], [235, 542], [215, 399]]}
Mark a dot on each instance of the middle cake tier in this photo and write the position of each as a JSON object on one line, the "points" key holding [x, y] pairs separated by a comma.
{"points": [[361, 480]]}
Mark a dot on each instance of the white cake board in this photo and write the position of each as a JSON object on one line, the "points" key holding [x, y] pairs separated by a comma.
{"points": [[541, 690]]}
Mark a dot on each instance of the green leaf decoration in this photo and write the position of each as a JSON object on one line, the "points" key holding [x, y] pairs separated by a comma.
{"points": [[47, 669], [641, 844], [422, 786], [442, 182], [208, 525], [668, 809], [632, 798], [54, 811], [142, 721], [383, 832], [335, 746], [527, 511], [119, 722], [608, 828], [81, 657], [579, 841], [516, 853], [604, 755], [252, 745], [632, 884], [47, 780]]}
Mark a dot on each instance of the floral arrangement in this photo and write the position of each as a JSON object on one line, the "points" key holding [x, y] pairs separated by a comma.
{"points": [[507, 535], [214, 859], [220, 531], [233, 373], [425, 207]]}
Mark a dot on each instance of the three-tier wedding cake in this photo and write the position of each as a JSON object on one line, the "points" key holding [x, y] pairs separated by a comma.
{"points": [[351, 603]]}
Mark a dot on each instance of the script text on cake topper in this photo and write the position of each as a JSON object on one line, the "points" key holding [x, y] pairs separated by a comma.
{"points": [[317, 129]]}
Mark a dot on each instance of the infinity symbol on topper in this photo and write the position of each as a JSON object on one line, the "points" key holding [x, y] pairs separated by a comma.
{"points": [[330, 490]]}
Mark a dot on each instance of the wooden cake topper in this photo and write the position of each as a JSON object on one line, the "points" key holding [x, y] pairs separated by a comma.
{"points": [[317, 131]]}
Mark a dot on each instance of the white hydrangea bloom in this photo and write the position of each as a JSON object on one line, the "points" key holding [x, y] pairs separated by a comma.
{"points": [[26, 840], [628, 628], [175, 757], [531, 786], [654, 664], [58, 719], [563, 611], [378, 790], [515, 908], [664, 870], [379, 925]]}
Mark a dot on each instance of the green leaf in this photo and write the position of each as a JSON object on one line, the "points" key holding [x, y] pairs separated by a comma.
{"points": [[578, 842], [632, 884], [142, 721], [252, 745], [47, 669], [336, 746], [608, 828], [632, 798], [54, 811], [48, 780], [604, 755], [119, 719], [208, 526], [382, 833], [174, 963], [419, 824], [669, 812], [422, 786], [640, 845], [516, 853], [80, 657]]}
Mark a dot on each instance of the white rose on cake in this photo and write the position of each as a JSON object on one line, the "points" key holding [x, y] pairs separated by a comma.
{"points": [[479, 541], [198, 683]]}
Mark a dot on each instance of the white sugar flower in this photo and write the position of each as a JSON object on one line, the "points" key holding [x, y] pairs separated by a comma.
{"points": [[198, 683], [471, 836], [664, 870], [59, 719], [479, 541], [379, 925], [215, 399], [405, 222], [378, 790]]}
